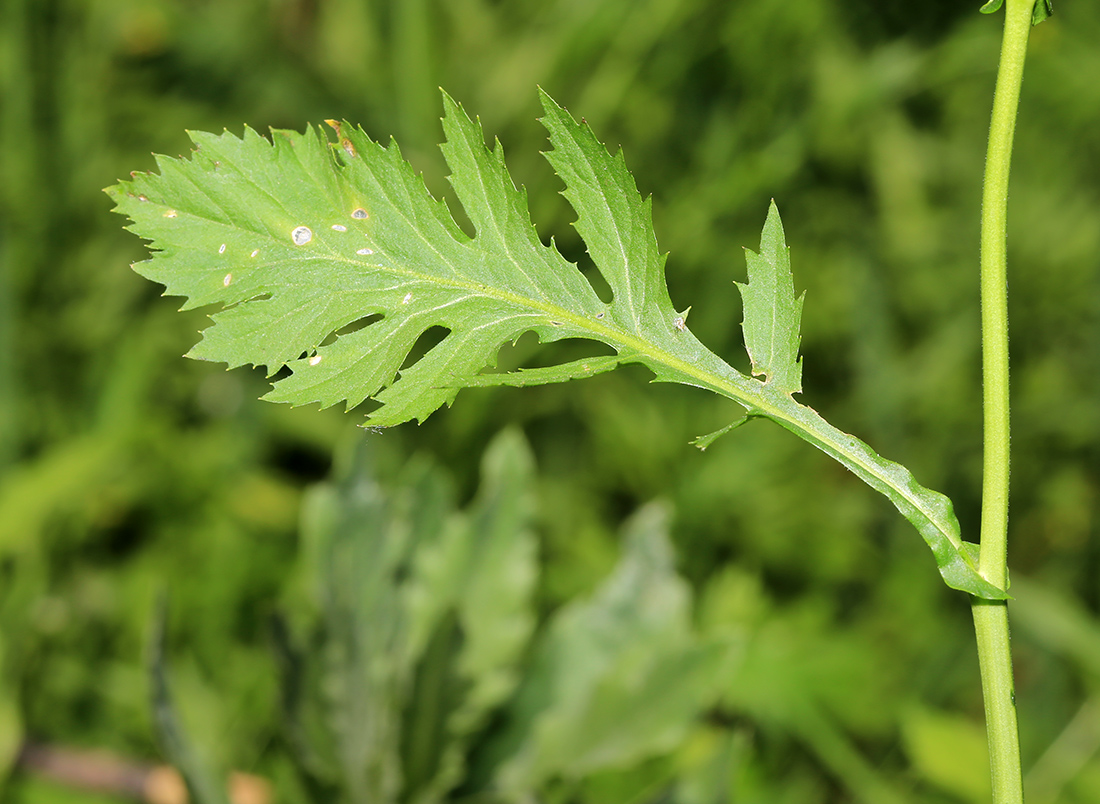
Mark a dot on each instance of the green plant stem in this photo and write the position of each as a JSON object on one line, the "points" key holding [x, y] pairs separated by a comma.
{"points": [[991, 617], [995, 659]]}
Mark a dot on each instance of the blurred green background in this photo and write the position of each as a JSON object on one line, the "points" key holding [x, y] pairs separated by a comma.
{"points": [[125, 470]]}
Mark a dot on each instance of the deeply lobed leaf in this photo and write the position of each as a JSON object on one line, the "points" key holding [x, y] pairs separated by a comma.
{"points": [[333, 259]]}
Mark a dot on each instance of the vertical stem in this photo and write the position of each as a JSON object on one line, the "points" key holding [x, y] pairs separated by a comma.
{"points": [[991, 617], [994, 292], [995, 659]]}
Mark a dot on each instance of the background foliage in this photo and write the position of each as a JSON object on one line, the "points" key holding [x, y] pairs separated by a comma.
{"points": [[124, 470]]}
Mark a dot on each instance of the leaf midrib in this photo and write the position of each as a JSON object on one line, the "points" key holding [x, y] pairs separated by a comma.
{"points": [[629, 344]]}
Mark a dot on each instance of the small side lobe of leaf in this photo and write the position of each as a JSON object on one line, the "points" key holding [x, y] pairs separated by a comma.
{"points": [[772, 311], [614, 220], [704, 441]]}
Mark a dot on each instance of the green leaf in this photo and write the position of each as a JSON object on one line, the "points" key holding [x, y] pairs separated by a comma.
{"points": [[991, 6], [483, 569], [497, 577], [332, 259], [621, 676], [420, 618], [772, 311], [358, 540], [270, 231]]}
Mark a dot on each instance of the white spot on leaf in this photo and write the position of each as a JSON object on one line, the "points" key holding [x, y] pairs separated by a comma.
{"points": [[221, 249], [301, 235], [407, 299], [228, 280], [359, 214], [255, 252], [170, 213], [339, 227], [365, 251], [142, 198], [313, 361], [679, 323]]}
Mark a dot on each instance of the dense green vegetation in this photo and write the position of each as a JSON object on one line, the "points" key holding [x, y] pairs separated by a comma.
{"points": [[126, 471]]}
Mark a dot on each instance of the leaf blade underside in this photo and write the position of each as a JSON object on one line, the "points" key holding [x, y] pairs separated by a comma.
{"points": [[333, 259]]}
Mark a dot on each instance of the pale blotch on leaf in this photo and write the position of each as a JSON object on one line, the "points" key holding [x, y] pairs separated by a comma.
{"points": [[228, 279], [365, 251], [359, 214], [170, 213], [221, 249], [255, 251], [142, 198], [680, 322], [301, 235], [407, 299], [339, 227], [313, 361]]}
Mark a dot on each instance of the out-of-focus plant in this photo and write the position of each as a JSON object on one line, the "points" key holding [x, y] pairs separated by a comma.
{"points": [[413, 669]]}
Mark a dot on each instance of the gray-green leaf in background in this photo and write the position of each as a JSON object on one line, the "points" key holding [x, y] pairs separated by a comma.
{"points": [[483, 569], [423, 628], [422, 614], [620, 677]]}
